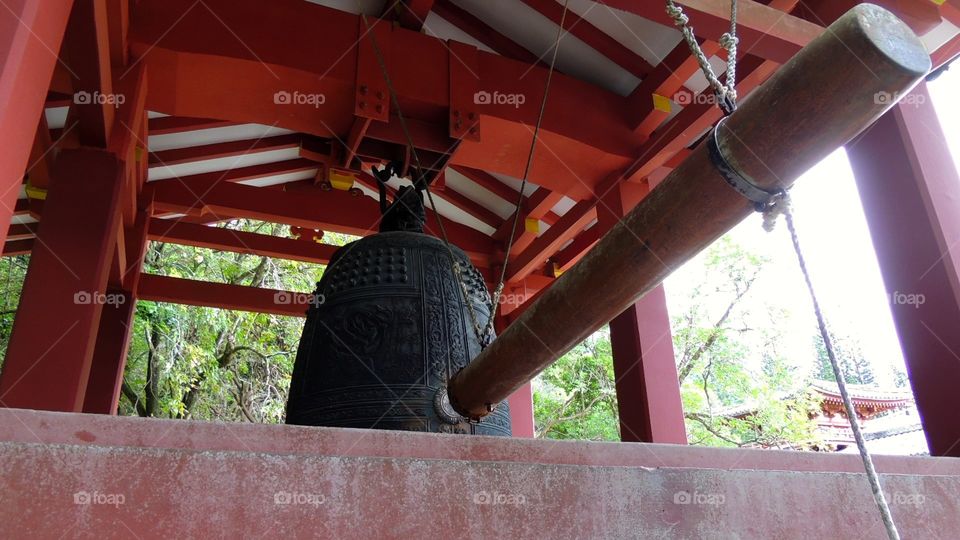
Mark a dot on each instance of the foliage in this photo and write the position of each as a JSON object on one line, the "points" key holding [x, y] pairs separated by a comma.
{"points": [[205, 363], [13, 270], [722, 363], [575, 398], [737, 387], [855, 367]]}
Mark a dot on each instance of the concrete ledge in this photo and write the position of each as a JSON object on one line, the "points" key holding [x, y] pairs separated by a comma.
{"points": [[84, 475]]}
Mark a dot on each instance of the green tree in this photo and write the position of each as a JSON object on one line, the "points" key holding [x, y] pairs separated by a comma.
{"points": [[723, 364], [13, 270], [854, 365], [575, 398], [205, 363]]}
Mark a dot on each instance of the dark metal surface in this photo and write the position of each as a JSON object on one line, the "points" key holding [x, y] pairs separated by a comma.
{"points": [[388, 329]]}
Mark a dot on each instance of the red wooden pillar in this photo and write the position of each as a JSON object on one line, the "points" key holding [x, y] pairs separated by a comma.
{"points": [[30, 35], [116, 326], [52, 343], [521, 401], [110, 354], [521, 412], [648, 388], [909, 189]]}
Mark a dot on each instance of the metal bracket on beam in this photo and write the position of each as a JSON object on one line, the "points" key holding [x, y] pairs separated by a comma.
{"points": [[372, 94], [464, 113]]}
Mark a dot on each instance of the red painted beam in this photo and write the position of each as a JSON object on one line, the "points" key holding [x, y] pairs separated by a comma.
{"points": [[947, 52], [470, 206], [63, 294], [168, 125], [118, 24], [18, 247], [336, 211], [488, 182], [223, 239], [666, 80], [535, 206], [549, 242], [192, 77], [222, 296], [221, 150], [87, 57], [110, 354], [31, 32], [692, 122], [253, 172], [479, 30], [596, 38], [42, 156], [566, 257], [763, 30], [648, 388], [22, 231], [671, 74]]}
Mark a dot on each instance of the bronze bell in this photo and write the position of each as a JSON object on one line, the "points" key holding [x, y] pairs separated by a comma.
{"points": [[388, 328]]}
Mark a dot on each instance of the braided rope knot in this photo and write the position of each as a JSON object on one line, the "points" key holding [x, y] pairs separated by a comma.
{"points": [[779, 205], [676, 13], [728, 41]]}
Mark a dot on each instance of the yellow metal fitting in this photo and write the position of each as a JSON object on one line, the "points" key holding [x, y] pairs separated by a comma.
{"points": [[661, 103], [341, 181], [532, 225], [35, 192]]}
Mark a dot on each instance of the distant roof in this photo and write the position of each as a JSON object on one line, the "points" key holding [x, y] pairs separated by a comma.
{"points": [[860, 394], [867, 392]]}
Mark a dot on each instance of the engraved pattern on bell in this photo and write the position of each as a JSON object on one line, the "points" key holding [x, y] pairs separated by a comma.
{"points": [[392, 329]]}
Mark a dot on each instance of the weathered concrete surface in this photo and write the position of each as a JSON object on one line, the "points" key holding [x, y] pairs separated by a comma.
{"points": [[73, 475]]}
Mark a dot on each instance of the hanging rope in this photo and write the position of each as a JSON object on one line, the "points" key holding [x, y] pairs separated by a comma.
{"points": [[782, 206], [482, 337], [726, 93], [526, 171], [776, 204], [484, 332]]}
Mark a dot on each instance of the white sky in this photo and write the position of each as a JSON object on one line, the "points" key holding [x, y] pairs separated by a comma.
{"points": [[839, 253]]}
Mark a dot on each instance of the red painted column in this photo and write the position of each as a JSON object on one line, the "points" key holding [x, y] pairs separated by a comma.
{"points": [[521, 412], [51, 346], [110, 354], [648, 388], [521, 401], [116, 326], [30, 35], [909, 188]]}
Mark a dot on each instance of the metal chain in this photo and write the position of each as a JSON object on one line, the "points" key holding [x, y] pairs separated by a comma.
{"points": [[726, 93], [781, 205]]}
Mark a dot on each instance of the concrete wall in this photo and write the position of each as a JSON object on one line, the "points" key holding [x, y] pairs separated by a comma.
{"points": [[79, 475]]}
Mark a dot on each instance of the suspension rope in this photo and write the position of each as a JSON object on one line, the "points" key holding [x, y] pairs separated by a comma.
{"points": [[484, 332], [726, 93], [775, 204], [782, 206], [526, 171], [474, 319]]}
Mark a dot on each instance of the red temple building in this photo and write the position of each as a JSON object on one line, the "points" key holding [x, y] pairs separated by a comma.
{"points": [[124, 122], [875, 407]]}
